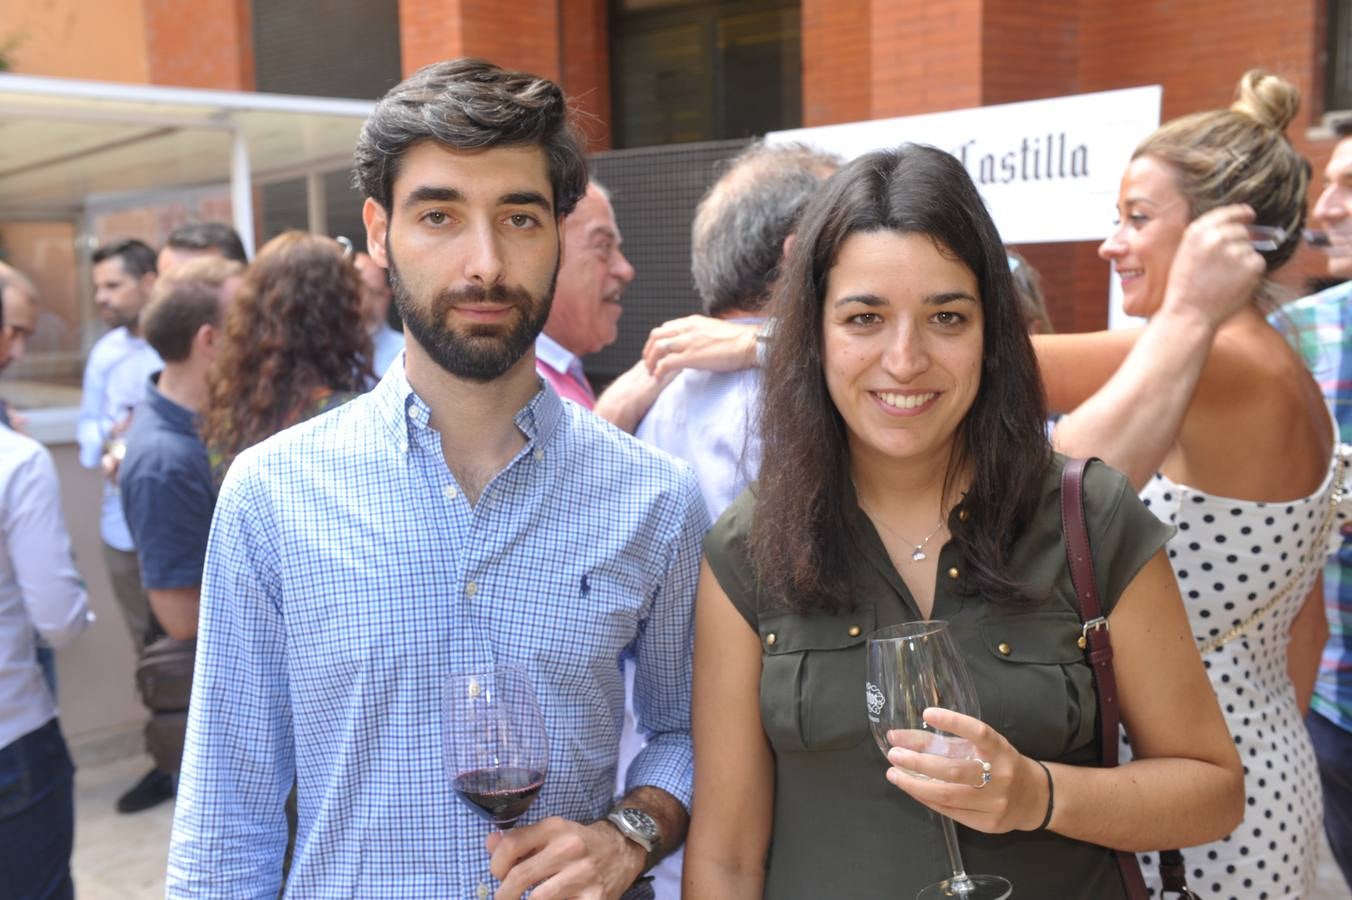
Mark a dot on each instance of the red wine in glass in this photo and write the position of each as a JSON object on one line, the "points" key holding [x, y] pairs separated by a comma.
{"points": [[494, 742], [501, 795]]}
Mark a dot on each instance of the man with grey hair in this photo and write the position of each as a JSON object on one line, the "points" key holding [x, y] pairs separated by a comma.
{"points": [[737, 241]]}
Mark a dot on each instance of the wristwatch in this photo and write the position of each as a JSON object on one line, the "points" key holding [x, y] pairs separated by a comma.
{"points": [[640, 828]]}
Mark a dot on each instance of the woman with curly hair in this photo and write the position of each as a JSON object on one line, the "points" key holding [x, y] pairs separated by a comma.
{"points": [[294, 345]]}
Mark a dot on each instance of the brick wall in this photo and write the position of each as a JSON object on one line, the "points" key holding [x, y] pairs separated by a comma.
{"points": [[209, 45], [836, 61], [521, 35]]}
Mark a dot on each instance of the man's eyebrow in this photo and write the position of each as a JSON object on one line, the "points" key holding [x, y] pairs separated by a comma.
{"points": [[429, 193], [526, 198]]}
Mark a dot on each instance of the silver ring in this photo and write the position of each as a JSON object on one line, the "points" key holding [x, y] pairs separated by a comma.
{"points": [[985, 773]]}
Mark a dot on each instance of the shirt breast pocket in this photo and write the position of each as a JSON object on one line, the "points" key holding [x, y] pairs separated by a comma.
{"points": [[812, 679], [1046, 706]]}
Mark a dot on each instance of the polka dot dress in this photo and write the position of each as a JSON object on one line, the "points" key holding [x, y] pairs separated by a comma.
{"points": [[1231, 557]]}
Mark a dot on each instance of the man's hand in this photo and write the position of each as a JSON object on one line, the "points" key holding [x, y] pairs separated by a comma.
{"points": [[1216, 269], [700, 342], [561, 859]]}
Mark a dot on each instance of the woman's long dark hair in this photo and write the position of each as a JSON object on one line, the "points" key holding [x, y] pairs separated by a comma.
{"points": [[799, 533], [293, 334]]}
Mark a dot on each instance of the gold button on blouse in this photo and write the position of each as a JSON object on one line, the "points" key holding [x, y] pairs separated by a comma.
{"points": [[770, 639], [963, 515], [953, 573], [855, 631], [1080, 642], [1004, 648]]}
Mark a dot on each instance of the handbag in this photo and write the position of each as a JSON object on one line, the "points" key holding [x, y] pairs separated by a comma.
{"points": [[164, 678], [1099, 651]]}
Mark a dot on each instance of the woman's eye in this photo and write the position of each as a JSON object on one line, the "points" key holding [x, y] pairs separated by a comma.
{"points": [[947, 317], [867, 318], [1137, 220]]}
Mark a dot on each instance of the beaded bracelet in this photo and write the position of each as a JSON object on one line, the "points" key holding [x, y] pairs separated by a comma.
{"points": [[1051, 796]]}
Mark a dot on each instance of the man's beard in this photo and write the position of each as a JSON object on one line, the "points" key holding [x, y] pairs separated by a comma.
{"points": [[476, 352]]}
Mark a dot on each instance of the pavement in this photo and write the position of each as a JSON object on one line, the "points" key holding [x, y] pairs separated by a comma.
{"points": [[121, 857]]}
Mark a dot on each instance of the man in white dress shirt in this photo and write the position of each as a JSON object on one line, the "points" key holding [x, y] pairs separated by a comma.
{"points": [[41, 596], [119, 366]]}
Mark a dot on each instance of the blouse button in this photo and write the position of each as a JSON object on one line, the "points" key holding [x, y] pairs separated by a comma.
{"points": [[963, 515], [953, 573], [855, 631], [1080, 642], [770, 639], [1004, 648]]}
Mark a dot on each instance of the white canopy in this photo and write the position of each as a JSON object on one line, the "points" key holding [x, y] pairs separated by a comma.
{"points": [[65, 144]]}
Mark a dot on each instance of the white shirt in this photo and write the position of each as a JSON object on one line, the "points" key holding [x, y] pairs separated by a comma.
{"points": [[40, 590], [386, 345], [115, 376], [707, 419]]}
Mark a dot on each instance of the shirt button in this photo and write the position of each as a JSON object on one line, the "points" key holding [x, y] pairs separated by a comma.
{"points": [[855, 631], [539, 455], [471, 589], [963, 515], [1004, 648], [770, 639], [953, 573], [482, 891], [449, 491]]}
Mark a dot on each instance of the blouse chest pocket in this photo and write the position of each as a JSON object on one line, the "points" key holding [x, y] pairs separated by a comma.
{"points": [[1044, 691], [812, 678]]}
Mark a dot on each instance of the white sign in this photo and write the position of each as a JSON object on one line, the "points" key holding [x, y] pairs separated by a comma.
{"points": [[1048, 169]]}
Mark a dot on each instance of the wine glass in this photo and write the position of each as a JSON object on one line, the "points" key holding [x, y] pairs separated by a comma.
{"points": [[911, 667], [493, 742]]}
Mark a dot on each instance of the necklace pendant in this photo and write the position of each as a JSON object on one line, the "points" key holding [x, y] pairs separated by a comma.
{"points": [[918, 555]]}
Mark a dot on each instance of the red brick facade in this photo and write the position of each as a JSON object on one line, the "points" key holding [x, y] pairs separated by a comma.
{"points": [[865, 59], [206, 45]]}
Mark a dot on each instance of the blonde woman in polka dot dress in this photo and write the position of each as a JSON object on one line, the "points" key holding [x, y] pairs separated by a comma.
{"points": [[1248, 473]]}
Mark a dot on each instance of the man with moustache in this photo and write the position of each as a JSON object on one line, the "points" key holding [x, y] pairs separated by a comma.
{"points": [[458, 516], [1322, 326], [585, 317]]}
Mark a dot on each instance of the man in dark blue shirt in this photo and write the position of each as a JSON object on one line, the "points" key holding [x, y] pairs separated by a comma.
{"points": [[168, 490]]}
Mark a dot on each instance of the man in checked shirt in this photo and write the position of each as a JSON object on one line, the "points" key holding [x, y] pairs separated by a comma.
{"points": [[457, 516]]}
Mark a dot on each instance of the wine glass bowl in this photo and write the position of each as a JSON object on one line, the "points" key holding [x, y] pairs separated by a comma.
{"points": [[494, 743], [912, 667]]}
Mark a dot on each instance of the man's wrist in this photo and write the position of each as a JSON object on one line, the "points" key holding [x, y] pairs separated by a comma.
{"points": [[632, 858]]}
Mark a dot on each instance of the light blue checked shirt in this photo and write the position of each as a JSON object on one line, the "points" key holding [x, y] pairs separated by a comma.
{"points": [[1322, 329], [346, 575]]}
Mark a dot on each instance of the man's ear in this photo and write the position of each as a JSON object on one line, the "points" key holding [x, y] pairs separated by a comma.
{"points": [[784, 251], [377, 222], [147, 283], [207, 337]]}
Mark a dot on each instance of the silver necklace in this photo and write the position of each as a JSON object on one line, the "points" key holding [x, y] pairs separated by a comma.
{"points": [[919, 554]]}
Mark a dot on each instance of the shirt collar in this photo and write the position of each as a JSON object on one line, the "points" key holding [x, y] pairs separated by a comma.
{"points": [[178, 417], [555, 355], [402, 410]]}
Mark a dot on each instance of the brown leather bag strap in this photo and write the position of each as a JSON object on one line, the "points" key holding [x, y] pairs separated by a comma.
{"points": [[1098, 648]]}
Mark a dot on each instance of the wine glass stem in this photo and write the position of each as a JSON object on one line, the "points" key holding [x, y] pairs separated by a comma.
{"points": [[960, 883]]}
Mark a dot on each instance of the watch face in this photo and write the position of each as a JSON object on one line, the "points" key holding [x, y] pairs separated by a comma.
{"points": [[640, 822]]}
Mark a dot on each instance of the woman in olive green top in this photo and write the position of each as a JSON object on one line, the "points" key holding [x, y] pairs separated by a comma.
{"points": [[906, 475]]}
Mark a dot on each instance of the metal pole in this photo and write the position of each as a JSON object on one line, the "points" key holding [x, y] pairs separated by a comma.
{"points": [[241, 189], [316, 203]]}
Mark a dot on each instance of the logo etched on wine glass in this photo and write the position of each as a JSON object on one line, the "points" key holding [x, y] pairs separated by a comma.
{"points": [[875, 701]]}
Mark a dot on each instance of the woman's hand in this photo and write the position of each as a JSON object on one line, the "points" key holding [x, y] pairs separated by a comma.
{"points": [[1014, 798]]}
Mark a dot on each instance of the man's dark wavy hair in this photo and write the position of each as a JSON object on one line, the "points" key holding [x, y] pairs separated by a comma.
{"points": [[470, 104], [799, 532]]}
